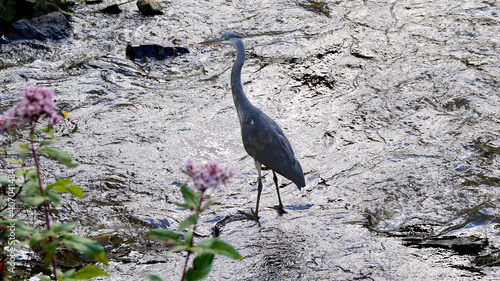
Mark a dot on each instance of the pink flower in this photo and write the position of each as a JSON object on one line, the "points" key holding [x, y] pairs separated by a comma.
{"points": [[205, 176], [36, 105]]}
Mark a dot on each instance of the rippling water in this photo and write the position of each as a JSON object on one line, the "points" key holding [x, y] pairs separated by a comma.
{"points": [[392, 107]]}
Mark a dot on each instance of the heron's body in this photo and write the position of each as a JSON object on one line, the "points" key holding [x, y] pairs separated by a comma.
{"points": [[262, 138]]}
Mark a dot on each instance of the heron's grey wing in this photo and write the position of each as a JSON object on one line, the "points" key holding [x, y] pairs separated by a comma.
{"points": [[264, 141]]}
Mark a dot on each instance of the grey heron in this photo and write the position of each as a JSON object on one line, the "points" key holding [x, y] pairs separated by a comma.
{"points": [[262, 138]]}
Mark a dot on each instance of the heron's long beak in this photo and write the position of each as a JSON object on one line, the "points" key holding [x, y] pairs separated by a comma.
{"points": [[212, 41]]}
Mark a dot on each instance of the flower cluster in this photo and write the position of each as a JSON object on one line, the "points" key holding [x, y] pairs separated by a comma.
{"points": [[37, 104], [205, 176]]}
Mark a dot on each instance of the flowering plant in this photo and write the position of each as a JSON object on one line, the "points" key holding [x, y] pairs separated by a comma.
{"points": [[204, 177], [37, 106]]}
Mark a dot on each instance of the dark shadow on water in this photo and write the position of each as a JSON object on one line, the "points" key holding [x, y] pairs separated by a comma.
{"points": [[298, 207]]}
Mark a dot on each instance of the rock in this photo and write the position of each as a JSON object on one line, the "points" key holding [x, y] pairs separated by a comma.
{"points": [[149, 7], [153, 51], [112, 9], [491, 259], [53, 26], [150, 222], [466, 245]]}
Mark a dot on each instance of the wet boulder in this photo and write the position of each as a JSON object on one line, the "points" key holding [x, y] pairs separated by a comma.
{"points": [[153, 51], [112, 9], [149, 7], [53, 26], [464, 245]]}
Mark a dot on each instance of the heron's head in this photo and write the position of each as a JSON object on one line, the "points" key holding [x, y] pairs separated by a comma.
{"points": [[228, 38]]}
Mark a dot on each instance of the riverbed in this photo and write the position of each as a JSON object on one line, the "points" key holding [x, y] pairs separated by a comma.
{"points": [[392, 108]]}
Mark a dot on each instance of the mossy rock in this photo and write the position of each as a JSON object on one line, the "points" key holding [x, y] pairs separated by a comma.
{"points": [[149, 7]]}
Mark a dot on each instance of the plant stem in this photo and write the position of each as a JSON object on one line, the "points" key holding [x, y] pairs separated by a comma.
{"points": [[45, 206], [185, 266], [198, 211]]}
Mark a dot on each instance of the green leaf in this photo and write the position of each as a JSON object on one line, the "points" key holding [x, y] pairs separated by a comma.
{"points": [[202, 265], [44, 278], [90, 248], [20, 172], [59, 155], [65, 185], [33, 200], [20, 229], [188, 222], [178, 249], [190, 197], [7, 10], [182, 205], [203, 261], [75, 190], [152, 277], [190, 275], [62, 227], [65, 275], [217, 247], [88, 272], [46, 142], [33, 177], [47, 233], [48, 131], [5, 181], [35, 238], [23, 151], [188, 236], [49, 250], [164, 235], [31, 194], [12, 160], [54, 198], [207, 204]]}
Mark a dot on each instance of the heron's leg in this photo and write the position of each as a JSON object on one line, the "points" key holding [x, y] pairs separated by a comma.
{"points": [[279, 208], [259, 188], [255, 215]]}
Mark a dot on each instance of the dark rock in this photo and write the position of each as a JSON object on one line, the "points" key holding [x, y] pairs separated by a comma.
{"points": [[52, 26], [467, 245], [113, 9], [491, 259], [153, 51], [149, 7]]}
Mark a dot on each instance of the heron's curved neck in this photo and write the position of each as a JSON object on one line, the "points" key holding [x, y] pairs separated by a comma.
{"points": [[240, 100]]}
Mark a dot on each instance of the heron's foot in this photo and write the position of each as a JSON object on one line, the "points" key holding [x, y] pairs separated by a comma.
{"points": [[253, 216], [219, 225], [279, 209]]}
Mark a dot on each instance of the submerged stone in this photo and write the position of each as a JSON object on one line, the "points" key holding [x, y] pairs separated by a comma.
{"points": [[154, 51], [53, 26]]}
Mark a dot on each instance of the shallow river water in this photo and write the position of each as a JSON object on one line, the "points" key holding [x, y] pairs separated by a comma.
{"points": [[392, 107]]}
